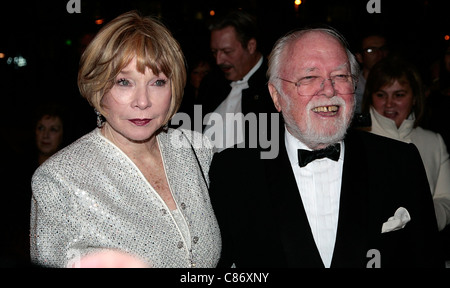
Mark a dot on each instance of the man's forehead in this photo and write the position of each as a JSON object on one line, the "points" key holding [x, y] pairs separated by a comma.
{"points": [[312, 49], [338, 67], [317, 40]]}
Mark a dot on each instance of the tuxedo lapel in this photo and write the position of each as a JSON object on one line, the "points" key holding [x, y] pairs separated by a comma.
{"points": [[351, 237], [295, 233]]}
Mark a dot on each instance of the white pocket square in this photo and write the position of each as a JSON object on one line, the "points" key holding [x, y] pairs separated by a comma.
{"points": [[398, 221]]}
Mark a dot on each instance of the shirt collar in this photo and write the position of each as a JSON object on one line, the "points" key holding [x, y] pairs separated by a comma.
{"points": [[250, 73]]}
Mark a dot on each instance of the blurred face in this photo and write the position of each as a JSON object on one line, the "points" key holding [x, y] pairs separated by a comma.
{"points": [[374, 49], [137, 105], [447, 59], [49, 135], [394, 101], [198, 73], [234, 60], [323, 118]]}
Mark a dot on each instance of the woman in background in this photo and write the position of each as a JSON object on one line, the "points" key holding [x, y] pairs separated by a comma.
{"points": [[395, 99], [50, 134]]}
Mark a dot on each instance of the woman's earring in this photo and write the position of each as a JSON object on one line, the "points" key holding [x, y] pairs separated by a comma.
{"points": [[100, 119]]}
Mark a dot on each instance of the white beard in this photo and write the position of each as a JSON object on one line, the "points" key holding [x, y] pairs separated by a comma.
{"points": [[314, 135]]}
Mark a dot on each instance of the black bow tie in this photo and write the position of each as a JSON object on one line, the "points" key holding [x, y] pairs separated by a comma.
{"points": [[306, 156]]}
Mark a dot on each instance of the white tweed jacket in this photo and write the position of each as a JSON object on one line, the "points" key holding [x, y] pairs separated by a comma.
{"points": [[91, 196]]}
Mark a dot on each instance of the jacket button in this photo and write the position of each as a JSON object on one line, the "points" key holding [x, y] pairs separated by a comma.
{"points": [[183, 206], [180, 245], [195, 240]]}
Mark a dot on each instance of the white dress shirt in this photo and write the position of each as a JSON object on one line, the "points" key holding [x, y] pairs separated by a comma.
{"points": [[227, 114], [319, 184]]}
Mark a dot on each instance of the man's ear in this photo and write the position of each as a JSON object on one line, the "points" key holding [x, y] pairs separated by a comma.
{"points": [[252, 45], [275, 96]]}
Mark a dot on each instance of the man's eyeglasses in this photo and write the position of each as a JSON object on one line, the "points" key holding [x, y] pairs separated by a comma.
{"points": [[371, 50], [311, 85]]}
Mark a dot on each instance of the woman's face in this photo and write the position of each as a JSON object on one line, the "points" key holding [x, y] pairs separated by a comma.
{"points": [[49, 134], [394, 101], [137, 104]]}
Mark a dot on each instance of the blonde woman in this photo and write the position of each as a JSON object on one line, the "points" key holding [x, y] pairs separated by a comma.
{"points": [[131, 186]]}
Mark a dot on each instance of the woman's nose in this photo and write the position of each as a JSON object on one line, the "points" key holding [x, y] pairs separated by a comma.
{"points": [[142, 98]]}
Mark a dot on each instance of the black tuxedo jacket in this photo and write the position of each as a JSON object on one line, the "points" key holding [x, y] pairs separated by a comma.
{"points": [[263, 222]]}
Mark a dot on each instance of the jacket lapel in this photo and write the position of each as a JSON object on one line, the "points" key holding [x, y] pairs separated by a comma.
{"points": [[351, 238], [295, 233]]}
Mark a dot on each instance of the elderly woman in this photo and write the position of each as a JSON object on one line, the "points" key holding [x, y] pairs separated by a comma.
{"points": [[395, 100], [131, 186]]}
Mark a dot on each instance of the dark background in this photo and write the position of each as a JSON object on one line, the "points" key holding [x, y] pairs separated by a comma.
{"points": [[51, 40]]}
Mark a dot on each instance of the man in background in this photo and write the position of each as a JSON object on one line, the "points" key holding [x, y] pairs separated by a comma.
{"points": [[241, 86]]}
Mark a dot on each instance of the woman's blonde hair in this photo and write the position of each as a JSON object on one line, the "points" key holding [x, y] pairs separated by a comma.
{"points": [[127, 36]]}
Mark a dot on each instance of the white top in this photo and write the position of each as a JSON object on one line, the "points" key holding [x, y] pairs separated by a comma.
{"points": [[434, 155], [319, 184], [182, 225], [91, 196], [227, 114]]}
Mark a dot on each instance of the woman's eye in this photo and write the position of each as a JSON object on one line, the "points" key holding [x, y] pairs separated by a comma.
{"points": [[160, 82], [379, 95], [123, 82]]}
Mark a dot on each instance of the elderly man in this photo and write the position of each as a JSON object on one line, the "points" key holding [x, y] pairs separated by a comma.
{"points": [[333, 197]]}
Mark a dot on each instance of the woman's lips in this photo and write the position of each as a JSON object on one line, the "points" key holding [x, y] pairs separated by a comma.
{"points": [[390, 114], [140, 122], [42, 143]]}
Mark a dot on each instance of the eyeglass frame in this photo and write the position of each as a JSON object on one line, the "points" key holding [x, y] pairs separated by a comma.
{"points": [[297, 84], [371, 50]]}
